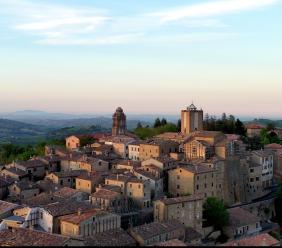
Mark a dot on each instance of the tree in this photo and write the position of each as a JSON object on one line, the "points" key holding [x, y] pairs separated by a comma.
{"points": [[270, 126], [157, 123], [239, 128], [179, 125], [215, 213], [139, 125], [278, 204], [163, 122]]}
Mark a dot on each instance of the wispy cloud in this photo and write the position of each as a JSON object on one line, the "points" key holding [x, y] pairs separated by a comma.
{"points": [[107, 40], [68, 25], [211, 9]]}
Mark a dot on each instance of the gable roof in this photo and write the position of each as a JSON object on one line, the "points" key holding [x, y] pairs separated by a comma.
{"points": [[263, 239], [27, 237], [66, 207], [240, 217], [117, 237], [78, 217]]}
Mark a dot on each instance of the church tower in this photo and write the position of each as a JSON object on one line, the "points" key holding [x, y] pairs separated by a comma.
{"points": [[119, 122], [191, 120]]}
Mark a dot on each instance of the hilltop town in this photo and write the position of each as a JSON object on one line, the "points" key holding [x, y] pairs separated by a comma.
{"points": [[189, 188]]}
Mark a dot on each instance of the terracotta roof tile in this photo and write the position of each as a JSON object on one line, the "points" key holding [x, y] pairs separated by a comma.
{"points": [[27, 237]]}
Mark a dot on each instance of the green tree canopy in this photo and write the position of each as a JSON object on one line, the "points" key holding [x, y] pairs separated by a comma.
{"points": [[270, 126], [157, 123], [139, 125], [179, 125], [163, 122], [215, 213]]}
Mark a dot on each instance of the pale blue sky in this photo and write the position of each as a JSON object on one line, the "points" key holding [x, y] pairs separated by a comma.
{"points": [[147, 56]]}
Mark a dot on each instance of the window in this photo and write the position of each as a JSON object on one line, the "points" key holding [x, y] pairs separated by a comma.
{"points": [[69, 180], [251, 170], [178, 177], [205, 185], [257, 178], [130, 185], [178, 187], [61, 182], [197, 186], [183, 204], [251, 179]]}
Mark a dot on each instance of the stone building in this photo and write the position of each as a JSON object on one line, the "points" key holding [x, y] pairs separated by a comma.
{"points": [[72, 142], [23, 190], [119, 122], [88, 223], [242, 223], [156, 182], [190, 179], [265, 159], [157, 148], [134, 150], [253, 129], [110, 199], [204, 145], [155, 232], [87, 182], [132, 187], [277, 159], [65, 178], [191, 120], [187, 210]]}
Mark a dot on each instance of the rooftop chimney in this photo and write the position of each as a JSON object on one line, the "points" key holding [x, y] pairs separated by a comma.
{"points": [[79, 211]]}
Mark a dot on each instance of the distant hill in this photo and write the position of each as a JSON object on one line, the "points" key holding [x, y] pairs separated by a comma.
{"points": [[104, 122], [18, 132], [277, 123], [67, 131]]}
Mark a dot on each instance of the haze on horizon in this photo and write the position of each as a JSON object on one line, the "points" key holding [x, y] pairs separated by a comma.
{"points": [[150, 57]]}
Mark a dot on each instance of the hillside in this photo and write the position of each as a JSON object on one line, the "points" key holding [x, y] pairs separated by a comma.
{"points": [[24, 134], [19, 132], [277, 123], [104, 122]]}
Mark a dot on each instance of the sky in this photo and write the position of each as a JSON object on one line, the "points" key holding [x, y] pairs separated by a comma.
{"points": [[90, 56]]}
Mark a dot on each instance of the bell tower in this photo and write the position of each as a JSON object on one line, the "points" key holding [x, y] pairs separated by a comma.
{"points": [[191, 120], [119, 122]]}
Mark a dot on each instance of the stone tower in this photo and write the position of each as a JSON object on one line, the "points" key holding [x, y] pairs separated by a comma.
{"points": [[119, 122], [191, 120]]}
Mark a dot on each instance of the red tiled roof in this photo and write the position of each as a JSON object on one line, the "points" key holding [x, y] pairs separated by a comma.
{"points": [[259, 240], [77, 218], [273, 146], [27, 237], [254, 126]]}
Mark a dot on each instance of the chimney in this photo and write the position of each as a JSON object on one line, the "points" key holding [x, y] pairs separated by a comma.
{"points": [[79, 211]]}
